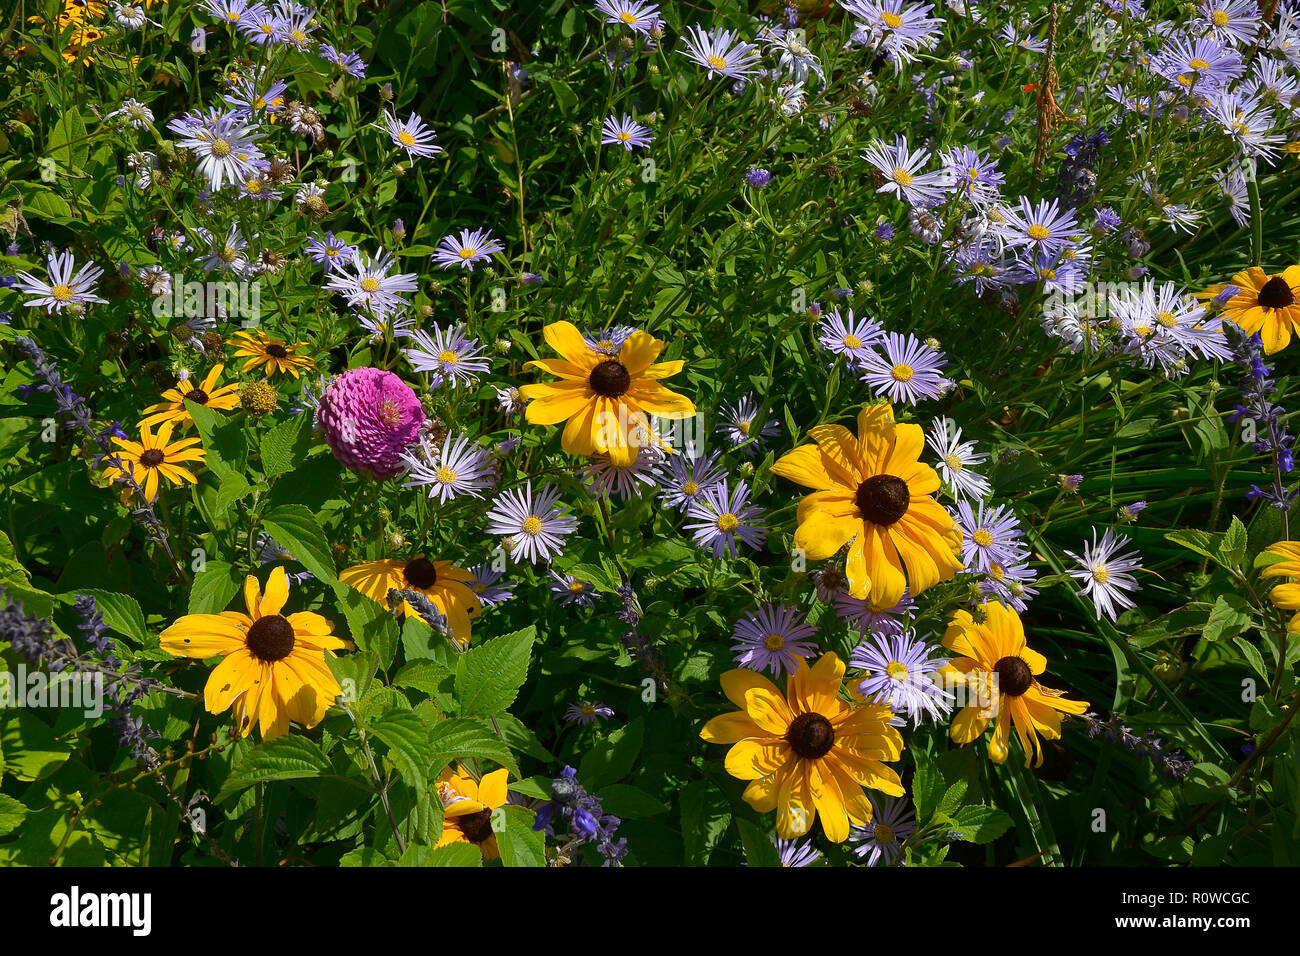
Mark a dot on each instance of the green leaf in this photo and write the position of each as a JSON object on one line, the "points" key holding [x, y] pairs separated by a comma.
{"points": [[953, 797], [32, 750], [67, 144], [927, 788], [1253, 657], [463, 738], [488, 677], [1206, 783], [454, 854], [1233, 549], [612, 758], [11, 814], [519, 843], [286, 445], [630, 803], [706, 814], [423, 675], [1228, 618], [121, 612], [372, 627], [980, 824], [223, 440], [759, 848], [285, 758], [214, 587], [296, 529], [1202, 542], [408, 745]]}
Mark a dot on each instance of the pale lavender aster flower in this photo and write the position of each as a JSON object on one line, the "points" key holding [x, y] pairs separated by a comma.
{"points": [[412, 135], [683, 479], [722, 53], [571, 590], [65, 289], [773, 638], [901, 669], [451, 355], [851, 337], [905, 369], [741, 426], [721, 516], [467, 249], [881, 840], [586, 712], [1107, 574], [626, 133], [459, 467], [488, 586], [534, 525]]}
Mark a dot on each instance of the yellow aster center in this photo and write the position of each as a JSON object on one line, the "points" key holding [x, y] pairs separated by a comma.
{"points": [[228, 253], [220, 148], [405, 138], [1100, 573], [267, 27], [259, 103], [62, 293], [576, 586], [628, 17], [298, 36], [1219, 18], [1198, 64], [902, 373], [254, 186], [728, 522], [532, 525], [953, 462], [445, 475], [1142, 329], [1166, 319], [902, 177], [883, 833], [1240, 128], [369, 284], [717, 62], [468, 253], [891, 20], [448, 357], [1047, 273], [774, 642], [852, 341], [745, 426], [983, 537], [331, 251], [588, 710], [996, 572], [624, 136], [1037, 231], [995, 216], [690, 488], [895, 670], [232, 16]]}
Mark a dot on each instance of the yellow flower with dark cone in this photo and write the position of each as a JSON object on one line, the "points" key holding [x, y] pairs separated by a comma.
{"points": [[1286, 595], [999, 673], [154, 455], [1269, 305], [272, 354], [605, 397], [467, 808], [807, 753], [207, 393], [873, 491], [273, 669], [444, 584]]}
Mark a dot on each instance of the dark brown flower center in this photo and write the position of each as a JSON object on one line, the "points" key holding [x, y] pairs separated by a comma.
{"points": [[883, 499], [270, 638], [420, 573], [610, 379], [1276, 294], [152, 457], [477, 827], [1014, 677], [810, 736], [277, 351], [197, 396]]}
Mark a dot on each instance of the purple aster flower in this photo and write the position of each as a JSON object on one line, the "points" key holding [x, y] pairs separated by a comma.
{"points": [[64, 290], [1106, 219], [467, 249], [774, 638], [224, 143], [757, 177], [852, 338], [991, 535], [740, 426], [974, 176], [721, 53], [1043, 227], [903, 368], [626, 133], [721, 516], [451, 355], [570, 590], [488, 586], [683, 479], [366, 283], [872, 619], [535, 526], [892, 822], [603, 478], [1011, 585], [586, 713], [412, 135], [796, 852], [901, 167], [637, 16], [608, 341], [884, 231], [901, 675]]}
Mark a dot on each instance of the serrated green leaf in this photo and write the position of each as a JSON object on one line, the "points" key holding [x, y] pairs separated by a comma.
{"points": [[519, 843], [488, 677], [296, 529], [285, 758], [611, 759], [462, 738], [214, 587], [980, 824], [408, 741], [286, 445]]}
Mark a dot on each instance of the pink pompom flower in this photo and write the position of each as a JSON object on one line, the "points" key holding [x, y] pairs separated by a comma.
{"points": [[370, 417]]}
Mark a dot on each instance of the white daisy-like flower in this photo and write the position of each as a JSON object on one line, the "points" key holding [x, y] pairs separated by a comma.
{"points": [[132, 112], [722, 54], [65, 288], [955, 460], [1106, 574], [900, 167], [366, 283], [459, 467], [223, 142]]}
